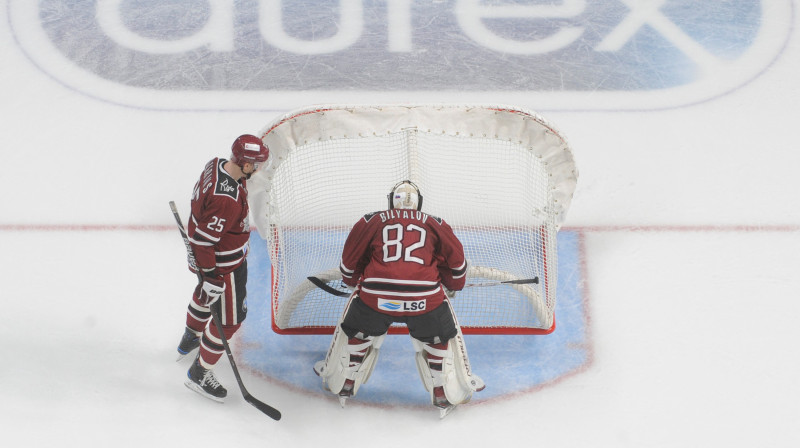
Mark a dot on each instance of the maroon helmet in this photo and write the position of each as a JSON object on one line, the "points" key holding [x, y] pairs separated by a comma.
{"points": [[249, 149]]}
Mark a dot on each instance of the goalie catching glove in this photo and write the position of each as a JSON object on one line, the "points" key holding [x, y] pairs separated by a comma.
{"points": [[210, 290]]}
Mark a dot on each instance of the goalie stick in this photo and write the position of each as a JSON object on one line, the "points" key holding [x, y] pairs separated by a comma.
{"points": [[319, 283], [260, 405], [522, 281]]}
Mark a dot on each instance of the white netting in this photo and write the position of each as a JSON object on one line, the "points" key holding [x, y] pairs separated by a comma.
{"points": [[500, 176]]}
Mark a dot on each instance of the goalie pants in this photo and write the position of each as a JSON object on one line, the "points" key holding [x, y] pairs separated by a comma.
{"points": [[434, 327], [232, 309]]}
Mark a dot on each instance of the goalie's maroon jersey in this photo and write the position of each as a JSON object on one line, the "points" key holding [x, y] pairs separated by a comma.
{"points": [[219, 229], [399, 259]]}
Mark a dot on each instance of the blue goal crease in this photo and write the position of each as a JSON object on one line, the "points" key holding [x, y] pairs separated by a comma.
{"points": [[509, 364]]}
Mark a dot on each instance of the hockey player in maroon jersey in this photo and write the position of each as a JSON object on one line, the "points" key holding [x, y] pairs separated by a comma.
{"points": [[219, 232], [402, 265]]}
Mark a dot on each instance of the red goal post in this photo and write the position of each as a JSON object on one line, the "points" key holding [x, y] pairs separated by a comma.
{"points": [[501, 176]]}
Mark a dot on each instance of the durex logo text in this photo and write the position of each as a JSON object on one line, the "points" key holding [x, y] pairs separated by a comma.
{"points": [[234, 54]]}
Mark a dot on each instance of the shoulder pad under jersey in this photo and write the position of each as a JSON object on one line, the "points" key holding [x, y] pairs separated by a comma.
{"points": [[436, 218], [369, 216]]}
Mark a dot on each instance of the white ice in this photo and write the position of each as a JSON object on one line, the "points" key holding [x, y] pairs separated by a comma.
{"points": [[692, 224]]}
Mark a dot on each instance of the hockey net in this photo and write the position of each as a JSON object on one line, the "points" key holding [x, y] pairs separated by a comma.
{"points": [[502, 177]]}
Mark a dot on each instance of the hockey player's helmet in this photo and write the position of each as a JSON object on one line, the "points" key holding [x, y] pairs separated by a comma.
{"points": [[249, 149], [405, 195]]}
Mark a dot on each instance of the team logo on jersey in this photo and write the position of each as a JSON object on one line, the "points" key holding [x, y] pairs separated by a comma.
{"points": [[226, 185], [626, 53], [401, 306]]}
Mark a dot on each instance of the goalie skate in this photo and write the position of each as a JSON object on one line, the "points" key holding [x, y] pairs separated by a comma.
{"points": [[451, 384], [348, 364], [346, 392], [440, 401], [347, 388]]}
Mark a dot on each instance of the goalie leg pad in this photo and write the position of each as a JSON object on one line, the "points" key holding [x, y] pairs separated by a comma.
{"points": [[349, 359], [447, 366], [462, 365], [363, 357], [422, 364]]}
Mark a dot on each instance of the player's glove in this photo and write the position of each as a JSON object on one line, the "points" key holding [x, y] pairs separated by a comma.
{"points": [[450, 294], [210, 290]]}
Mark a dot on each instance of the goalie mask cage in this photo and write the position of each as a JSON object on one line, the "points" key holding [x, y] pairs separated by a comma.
{"points": [[502, 177]]}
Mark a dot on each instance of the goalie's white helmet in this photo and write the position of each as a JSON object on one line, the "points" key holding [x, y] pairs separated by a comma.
{"points": [[405, 195]]}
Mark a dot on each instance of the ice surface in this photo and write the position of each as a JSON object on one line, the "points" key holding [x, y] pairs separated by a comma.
{"points": [[690, 229]]}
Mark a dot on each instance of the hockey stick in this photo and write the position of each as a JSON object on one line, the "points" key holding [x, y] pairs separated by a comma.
{"points": [[319, 283], [522, 281], [260, 405]]}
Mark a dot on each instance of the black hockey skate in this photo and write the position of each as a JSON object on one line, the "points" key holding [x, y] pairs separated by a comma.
{"points": [[203, 381], [189, 341]]}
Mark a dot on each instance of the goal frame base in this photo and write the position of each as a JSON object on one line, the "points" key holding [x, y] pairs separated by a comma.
{"points": [[402, 329]]}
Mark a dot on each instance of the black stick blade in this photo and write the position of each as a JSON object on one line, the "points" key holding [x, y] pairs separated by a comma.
{"points": [[523, 281], [327, 288], [263, 407]]}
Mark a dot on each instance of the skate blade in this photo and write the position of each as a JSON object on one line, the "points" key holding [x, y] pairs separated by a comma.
{"points": [[192, 386], [342, 401], [183, 355], [444, 412]]}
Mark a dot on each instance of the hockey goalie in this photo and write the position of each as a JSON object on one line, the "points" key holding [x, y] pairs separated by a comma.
{"points": [[403, 265]]}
